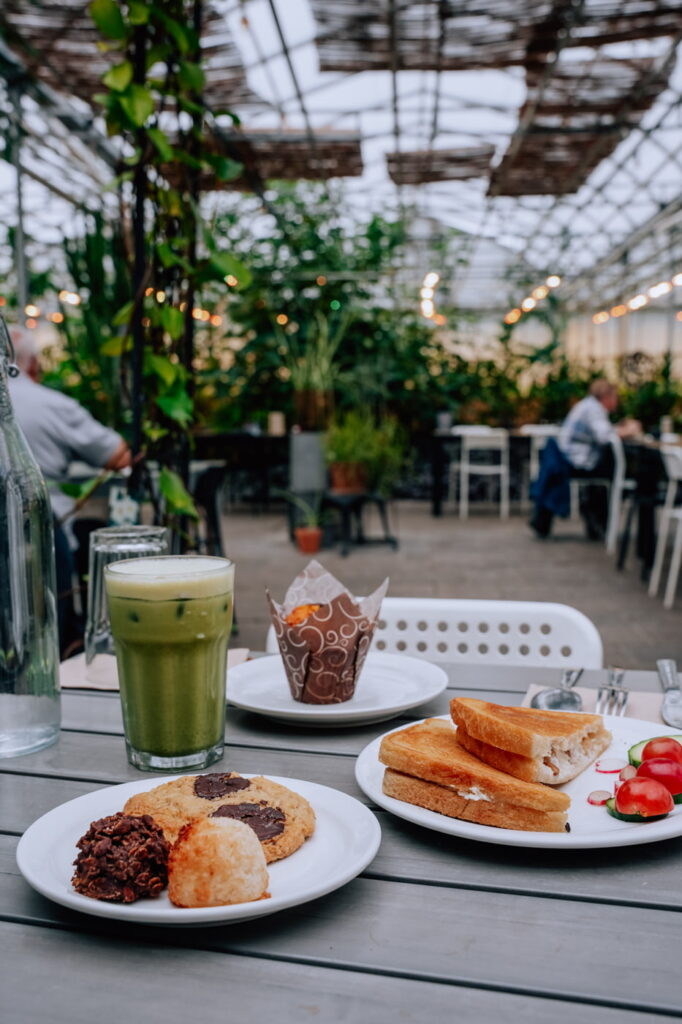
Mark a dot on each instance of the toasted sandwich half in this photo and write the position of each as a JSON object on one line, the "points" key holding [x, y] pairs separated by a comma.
{"points": [[537, 746], [426, 766]]}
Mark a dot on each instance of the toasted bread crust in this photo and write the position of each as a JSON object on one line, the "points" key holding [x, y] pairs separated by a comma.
{"points": [[430, 751], [529, 732], [447, 801]]}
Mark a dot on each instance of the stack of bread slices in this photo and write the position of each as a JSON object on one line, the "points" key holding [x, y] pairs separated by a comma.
{"points": [[493, 765]]}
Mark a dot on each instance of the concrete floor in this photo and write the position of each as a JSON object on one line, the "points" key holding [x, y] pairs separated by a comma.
{"points": [[483, 557]]}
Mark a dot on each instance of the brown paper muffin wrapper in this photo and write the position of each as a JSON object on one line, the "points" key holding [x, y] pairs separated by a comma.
{"points": [[324, 655]]}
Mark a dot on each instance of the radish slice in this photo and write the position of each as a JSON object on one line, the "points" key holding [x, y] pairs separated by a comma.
{"points": [[609, 764], [599, 797], [628, 772]]}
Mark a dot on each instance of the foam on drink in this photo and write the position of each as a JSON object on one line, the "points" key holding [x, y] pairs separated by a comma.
{"points": [[170, 577]]}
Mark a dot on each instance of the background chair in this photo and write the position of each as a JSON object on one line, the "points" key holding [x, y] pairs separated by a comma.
{"points": [[672, 460], [480, 440], [484, 632], [539, 434], [617, 486]]}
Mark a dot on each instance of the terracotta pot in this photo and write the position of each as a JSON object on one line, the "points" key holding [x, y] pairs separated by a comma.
{"points": [[313, 409], [347, 478], [308, 539]]}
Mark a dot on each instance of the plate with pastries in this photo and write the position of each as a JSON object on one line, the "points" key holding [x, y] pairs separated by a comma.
{"points": [[198, 849], [515, 776]]}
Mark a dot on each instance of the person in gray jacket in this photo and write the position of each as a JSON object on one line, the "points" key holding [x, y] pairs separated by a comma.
{"points": [[60, 431]]}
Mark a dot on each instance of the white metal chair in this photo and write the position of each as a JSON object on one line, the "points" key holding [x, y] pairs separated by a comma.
{"points": [[484, 632], [480, 439], [616, 486], [672, 460]]}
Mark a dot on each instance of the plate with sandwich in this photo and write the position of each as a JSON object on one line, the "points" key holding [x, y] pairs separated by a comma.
{"points": [[509, 775]]}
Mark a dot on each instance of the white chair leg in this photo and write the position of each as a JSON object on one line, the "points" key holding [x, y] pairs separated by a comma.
{"points": [[615, 506], [464, 492], [504, 494], [674, 571], [661, 544]]}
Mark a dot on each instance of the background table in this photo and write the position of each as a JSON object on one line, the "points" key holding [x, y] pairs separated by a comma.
{"points": [[437, 928]]}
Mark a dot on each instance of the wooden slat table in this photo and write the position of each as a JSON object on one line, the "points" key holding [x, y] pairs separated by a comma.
{"points": [[437, 928]]}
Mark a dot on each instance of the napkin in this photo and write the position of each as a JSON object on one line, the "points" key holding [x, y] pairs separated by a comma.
{"points": [[72, 671], [646, 706]]}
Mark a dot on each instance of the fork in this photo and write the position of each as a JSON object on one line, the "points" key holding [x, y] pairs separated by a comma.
{"points": [[612, 699]]}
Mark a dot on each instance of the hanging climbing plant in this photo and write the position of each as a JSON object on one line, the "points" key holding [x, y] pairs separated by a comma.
{"points": [[153, 101]]}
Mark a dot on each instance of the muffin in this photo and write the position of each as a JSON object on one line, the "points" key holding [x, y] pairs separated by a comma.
{"points": [[324, 634]]}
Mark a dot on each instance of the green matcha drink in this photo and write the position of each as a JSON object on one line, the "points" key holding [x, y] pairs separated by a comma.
{"points": [[170, 619]]}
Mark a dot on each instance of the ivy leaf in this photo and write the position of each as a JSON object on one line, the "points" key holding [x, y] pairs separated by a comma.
{"points": [[173, 321], [162, 367], [123, 315], [181, 35], [108, 18], [116, 346], [161, 143], [227, 264], [138, 12], [154, 433], [177, 405], [119, 77], [225, 169], [83, 490], [169, 258], [178, 498], [138, 103], [191, 76]]}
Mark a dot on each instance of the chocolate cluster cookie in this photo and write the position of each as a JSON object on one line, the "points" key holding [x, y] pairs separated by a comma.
{"points": [[281, 819], [122, 858]]}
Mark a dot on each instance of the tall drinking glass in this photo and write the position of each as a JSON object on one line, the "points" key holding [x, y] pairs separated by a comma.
{"points": [[112, 544], [171, 619]]}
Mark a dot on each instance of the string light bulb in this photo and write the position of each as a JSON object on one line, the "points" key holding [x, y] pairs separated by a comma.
{"points": [[528, 304], [553, 281]]}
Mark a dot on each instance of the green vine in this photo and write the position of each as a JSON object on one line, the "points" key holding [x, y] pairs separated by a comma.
{"points": [[154, 103]]}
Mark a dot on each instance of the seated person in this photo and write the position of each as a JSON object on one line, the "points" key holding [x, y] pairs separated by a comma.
{"points": [[58, 431], [584, 451]]}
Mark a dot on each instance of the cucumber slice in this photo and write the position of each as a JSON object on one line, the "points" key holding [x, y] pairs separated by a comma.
{"points": [[611, 808], [635, 753]]}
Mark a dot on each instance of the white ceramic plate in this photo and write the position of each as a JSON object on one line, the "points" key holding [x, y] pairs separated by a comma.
{"points": [[591, 827], [345, 841], [388, 685]]}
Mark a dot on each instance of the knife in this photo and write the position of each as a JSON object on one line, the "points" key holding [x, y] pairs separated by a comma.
{"points": [[671, 708]]}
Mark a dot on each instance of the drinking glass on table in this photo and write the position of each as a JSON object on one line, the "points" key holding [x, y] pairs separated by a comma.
{"points": [[171, 619], [112, 544]]}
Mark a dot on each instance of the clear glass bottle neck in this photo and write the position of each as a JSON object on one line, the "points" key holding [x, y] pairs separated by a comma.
{"points": [[5, 403]]}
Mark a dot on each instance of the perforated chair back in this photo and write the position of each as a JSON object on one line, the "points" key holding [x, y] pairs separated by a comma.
{"points": [[485, 632]]}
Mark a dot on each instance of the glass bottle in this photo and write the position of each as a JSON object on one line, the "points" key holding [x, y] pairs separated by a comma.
{"points": [[29, 646]]}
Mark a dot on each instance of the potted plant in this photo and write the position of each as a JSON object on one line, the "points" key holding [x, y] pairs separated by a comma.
{"points": [[363, 455], [309, 356], [308, 532]]}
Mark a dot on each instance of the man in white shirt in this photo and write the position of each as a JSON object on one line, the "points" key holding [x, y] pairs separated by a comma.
{"points": [[585, 443]]}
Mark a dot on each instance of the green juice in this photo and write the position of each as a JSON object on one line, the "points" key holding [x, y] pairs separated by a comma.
{"points": [[171, 625]]}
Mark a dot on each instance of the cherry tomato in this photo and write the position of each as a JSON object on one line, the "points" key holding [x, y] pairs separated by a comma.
{"points": [[665, 771], [663, 746], [645, 797]]}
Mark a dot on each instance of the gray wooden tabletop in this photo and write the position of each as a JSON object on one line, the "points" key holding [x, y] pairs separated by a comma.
{"points": [[436, 928]]}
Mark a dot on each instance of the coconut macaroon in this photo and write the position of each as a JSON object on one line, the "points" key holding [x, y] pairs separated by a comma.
{"points": [[216, 862]]}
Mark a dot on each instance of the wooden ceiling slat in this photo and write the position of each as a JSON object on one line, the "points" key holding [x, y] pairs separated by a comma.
{"points": [[421, 167]]}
